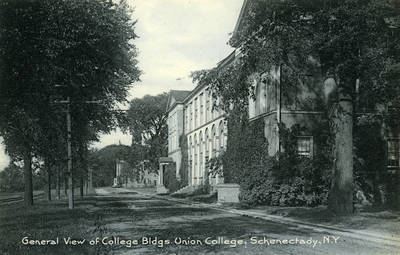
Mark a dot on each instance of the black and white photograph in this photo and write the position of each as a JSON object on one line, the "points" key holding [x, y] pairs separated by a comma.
{"points": [[199, 127]]}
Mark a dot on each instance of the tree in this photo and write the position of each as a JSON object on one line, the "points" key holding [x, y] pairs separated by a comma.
{"points": [[356, 43], [147, 123], [84, 47], [103, 162], [11, 179]]}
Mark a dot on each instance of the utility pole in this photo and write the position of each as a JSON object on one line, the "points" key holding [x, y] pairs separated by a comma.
{"points": [[69, 150]]}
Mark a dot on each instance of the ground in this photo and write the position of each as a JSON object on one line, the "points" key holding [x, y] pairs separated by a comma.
{"points": [[130, 215]]}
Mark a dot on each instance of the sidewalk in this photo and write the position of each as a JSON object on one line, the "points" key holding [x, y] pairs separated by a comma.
{"points": [[367, 220], [371, 227], [379, 226]]}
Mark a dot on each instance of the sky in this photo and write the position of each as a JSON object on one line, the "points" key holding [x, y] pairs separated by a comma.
{"points": [[176, 37]]}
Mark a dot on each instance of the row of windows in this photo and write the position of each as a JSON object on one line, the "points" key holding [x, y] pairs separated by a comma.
{"points": [[202, 148], [200, 111]]}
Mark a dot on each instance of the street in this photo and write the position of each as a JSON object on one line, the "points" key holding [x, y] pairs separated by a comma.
{"points": [[170, 227], [137, 221]]}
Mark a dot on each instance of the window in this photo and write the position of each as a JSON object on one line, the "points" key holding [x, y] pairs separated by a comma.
{"points": [[195, 159], [393, 152], [201, 158], [263, 97], [191, 116], [213, 142], [201, 109], [195, 113], [212, 114], [305, 146], [207, 95], [207, 150], [186, 119]]}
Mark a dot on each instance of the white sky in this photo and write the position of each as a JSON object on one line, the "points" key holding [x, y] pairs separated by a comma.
{"points": [[176, 38]]}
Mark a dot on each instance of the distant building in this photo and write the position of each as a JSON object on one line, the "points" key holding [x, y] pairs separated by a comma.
{"points": [[175, 109]]}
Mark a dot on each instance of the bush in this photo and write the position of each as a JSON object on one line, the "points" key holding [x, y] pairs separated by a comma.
{"points": [[291, 181], [170, 180], [183, 171], [202, 189], [265, 180]]}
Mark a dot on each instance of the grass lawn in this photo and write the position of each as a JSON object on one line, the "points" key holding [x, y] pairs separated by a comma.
{"points": [[46, 220]]}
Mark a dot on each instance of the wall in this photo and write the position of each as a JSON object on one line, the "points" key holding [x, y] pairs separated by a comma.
{"points": [[288, 104], [175, 130], [206, 133]]}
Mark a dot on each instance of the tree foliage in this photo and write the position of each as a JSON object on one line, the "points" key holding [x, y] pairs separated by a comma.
{"points": [[103, 163], [54, 50], [147, 123], [350, 39]]}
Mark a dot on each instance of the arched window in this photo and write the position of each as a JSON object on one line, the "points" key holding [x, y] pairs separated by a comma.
{"points": [[190, 156], [200, 174], [195, 158], [213, 141], [207, 110], [212, 106], [207, 147]]}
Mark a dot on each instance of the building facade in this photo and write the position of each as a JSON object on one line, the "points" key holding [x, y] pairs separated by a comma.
{"points": [[193, 117], [304, 104], [175, 123], [274, 103], [279, 107], [206, 133]]}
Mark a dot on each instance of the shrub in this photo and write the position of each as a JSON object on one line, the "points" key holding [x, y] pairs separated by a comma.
{"points": [[265, 180], [183, 170], [202, 189], [291, 181], [170, 180]]}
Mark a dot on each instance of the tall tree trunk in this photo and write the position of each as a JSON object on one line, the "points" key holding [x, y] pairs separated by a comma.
{"points": [[47, 165], [58, 191], [81, 185], [83, 154], [28, 194], [66, 186], [49, 185], [341, 194]]}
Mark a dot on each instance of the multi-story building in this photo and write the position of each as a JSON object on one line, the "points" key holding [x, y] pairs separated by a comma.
{"points": [[274, 104], [206, 133], [175, 123], [192, 114], [278, 104]]}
